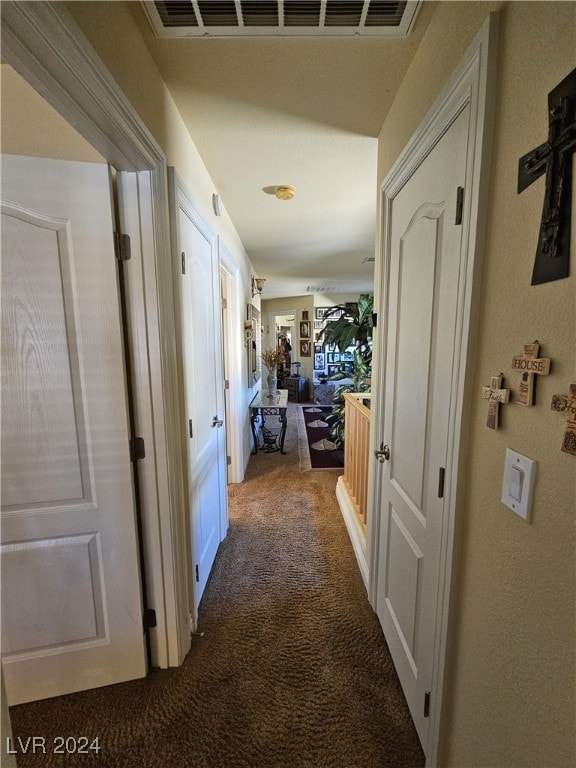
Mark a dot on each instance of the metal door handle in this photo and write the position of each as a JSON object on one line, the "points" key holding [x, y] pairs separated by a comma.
{"points": [[216, 422], [383, 454]]}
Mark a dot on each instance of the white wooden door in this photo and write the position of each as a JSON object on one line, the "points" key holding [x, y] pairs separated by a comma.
{"points": [[423, 293], [204, 388], [71, 602]]}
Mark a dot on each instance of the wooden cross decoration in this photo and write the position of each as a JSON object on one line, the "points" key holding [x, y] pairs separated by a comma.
{"points": [[555, 159], [496, 395], [567, 404], [529, 364]]}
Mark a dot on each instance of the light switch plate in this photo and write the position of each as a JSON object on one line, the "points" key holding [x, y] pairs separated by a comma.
{"points": [[518, 483]]}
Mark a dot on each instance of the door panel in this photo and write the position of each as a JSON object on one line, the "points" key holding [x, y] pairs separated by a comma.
{"points": [[204, 389], [71, 604], [423, 292], [412, 341]]}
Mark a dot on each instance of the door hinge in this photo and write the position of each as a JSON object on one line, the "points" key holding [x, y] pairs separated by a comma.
{"points": [[183, 257], [228, 460], [441, 475], [190, 430], [226, 384], [224, 303], [459, 205], [427, 704], [122, 246], [137, 448], [197, 574], [149, 619], [373, 320]]}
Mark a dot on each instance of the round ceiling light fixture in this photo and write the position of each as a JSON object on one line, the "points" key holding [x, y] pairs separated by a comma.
{"points": [[285, 192]]}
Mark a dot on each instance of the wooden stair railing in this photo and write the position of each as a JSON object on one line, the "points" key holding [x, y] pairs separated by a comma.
{"points": [[356, 450]]}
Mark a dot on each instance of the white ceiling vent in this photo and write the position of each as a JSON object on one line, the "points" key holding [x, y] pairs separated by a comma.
{"points": [[271, 18], [324, 289]]}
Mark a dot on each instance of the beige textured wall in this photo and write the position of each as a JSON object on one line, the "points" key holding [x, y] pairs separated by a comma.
{"points": [[31, 127], [113, 32], [511, 694]]}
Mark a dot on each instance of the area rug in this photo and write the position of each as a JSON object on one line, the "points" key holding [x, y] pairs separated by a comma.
{"points": [[317, 451]]}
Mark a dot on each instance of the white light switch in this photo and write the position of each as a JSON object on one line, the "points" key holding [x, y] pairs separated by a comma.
{"points": [[519, 476], [516, 480]]}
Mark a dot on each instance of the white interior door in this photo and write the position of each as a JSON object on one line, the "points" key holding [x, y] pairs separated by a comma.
{"points": [[204, 389], [423, 294], [71, 602]]}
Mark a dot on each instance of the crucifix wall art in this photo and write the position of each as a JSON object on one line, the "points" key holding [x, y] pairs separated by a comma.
{"points": [[554, 158]]}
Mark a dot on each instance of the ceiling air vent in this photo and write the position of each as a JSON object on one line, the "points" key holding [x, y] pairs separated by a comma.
{"points": [[272, 18], [324, 289]]}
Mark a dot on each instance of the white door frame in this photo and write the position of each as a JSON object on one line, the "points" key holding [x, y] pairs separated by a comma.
{"points": [[271, 333], [233, 357], [181, 199], [46, 47], [473, 83]]}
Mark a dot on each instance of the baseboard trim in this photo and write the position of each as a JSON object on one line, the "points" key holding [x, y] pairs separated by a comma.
{"points": [[355, 530]]}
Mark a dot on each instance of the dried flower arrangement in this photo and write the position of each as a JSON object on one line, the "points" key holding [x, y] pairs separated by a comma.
{"points": [[272, 358]]}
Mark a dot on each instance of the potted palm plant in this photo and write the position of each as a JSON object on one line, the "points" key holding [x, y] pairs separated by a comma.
{"points": [[350, 326]]}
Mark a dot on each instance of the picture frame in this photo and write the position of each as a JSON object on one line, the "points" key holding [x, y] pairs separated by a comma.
{"points": [[305, 348], [319, 361], [347, 367], [318, 349], [333, 369], [333, 357], [320, 311], [305, 329], [329, 313], [318, 325]]}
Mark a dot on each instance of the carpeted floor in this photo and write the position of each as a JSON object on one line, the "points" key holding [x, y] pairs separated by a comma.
{"points": [[290, 669]]}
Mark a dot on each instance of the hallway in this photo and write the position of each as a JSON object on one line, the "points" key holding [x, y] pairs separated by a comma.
{"points": [[289, 669]]}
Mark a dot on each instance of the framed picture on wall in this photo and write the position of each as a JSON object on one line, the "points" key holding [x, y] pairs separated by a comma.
{"points": [[318, 325], [305, 329], [333, 369], [319, 361], [318, 349], [305, 348], [333, 357], [320, 312], [348, 367]]}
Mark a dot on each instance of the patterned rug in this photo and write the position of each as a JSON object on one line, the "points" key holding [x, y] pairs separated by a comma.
{"points": [[317, 451]]}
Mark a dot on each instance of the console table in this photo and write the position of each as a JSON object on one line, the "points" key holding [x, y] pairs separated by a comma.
{"points": [[298, 389], [262, 406]]}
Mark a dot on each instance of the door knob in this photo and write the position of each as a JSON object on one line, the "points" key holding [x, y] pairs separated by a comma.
{"points": [[216, 422], [383, 454]]}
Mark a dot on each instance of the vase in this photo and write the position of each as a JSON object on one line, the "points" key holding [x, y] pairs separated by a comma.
{"points": [[272, 384]]}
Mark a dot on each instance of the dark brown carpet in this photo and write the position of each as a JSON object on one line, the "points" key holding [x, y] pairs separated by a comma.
{"points": [[291, 669]]}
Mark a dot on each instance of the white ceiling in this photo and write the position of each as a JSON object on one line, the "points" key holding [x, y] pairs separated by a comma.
{"points": [[299, 111]]}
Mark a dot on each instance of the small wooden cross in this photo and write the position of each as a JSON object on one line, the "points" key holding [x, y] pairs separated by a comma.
{"points": [[529, 364], [496, 395], [567, 404]]}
